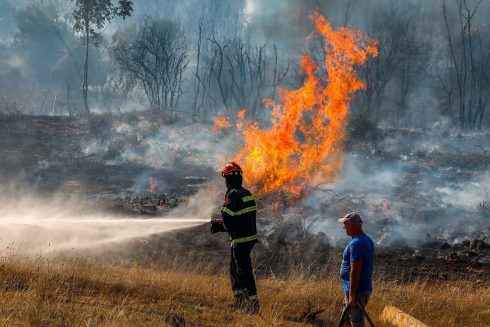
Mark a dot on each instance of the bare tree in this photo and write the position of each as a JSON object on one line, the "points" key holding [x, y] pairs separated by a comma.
{"points": [[388, 27], [11, 107], [412, 62], [238, 75], [196, 106], [90, 16], [467, 82], [156, 57], [278, 76], [395, 74]]}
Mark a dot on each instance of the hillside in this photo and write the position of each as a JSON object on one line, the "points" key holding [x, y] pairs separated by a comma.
{"points": [[424, 266]]}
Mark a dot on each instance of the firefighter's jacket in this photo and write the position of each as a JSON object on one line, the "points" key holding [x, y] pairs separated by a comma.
{"points": [[239, 216]]}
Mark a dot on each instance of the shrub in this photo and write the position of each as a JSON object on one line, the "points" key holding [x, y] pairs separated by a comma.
{"points": [[484, 208], [361, 128]]}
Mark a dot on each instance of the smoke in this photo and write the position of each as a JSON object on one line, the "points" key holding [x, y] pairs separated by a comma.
{"points": [[402, 203], [178, 146], [370, 178], [182, 156], [466, 195], [45, 68], [36, 225]]}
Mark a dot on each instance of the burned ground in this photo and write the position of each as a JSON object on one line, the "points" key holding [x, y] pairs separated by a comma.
{"points": [[421, 229], [80, 155], [292, 255]]}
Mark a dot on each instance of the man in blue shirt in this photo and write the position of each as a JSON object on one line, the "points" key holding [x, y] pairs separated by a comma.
{"points": [[357, 268]]}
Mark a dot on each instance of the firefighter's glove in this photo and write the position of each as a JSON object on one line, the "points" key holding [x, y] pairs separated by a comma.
{"points": [[217, 226]]}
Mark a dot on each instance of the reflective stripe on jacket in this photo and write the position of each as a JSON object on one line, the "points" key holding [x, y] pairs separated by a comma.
{"points": [[239, 216]]}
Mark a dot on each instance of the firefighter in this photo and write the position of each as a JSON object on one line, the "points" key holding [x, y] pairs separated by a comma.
{"points": [[239, 221]]}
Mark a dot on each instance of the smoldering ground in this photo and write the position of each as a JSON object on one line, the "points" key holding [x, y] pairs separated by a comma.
{"points": [[407, 185], [411, 189], [408, 194], [64, 197]]}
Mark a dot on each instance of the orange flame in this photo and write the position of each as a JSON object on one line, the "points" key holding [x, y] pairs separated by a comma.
{"points": [[305, 143], [221, 123], [151, 188], [176, 149], [240, 119]]}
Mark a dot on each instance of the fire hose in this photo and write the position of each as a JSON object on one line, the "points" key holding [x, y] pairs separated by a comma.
{"points": [[345, 314]]}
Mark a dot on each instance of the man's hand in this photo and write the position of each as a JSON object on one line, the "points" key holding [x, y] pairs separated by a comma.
{"points": [[352, 301]]}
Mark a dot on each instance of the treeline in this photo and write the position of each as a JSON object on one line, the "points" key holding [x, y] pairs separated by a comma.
{"points": [[201, 57]]}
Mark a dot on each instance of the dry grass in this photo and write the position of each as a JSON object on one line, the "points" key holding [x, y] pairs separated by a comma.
{"points": [[40, 292]]}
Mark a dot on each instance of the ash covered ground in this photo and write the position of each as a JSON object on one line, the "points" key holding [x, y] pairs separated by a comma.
{"points": [[424, 195]]}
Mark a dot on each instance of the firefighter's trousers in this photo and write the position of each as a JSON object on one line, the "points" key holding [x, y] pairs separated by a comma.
{"points": [[242, 278]]}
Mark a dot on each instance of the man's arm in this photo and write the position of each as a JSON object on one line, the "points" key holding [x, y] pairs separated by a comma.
{"points": [[227, 211], [355, 276]]}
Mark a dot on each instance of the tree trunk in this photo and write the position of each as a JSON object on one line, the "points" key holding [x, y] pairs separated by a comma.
{"points": [[85, 70]]}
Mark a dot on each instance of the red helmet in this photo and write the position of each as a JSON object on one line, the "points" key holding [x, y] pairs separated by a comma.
{"points": [[231, 168]]}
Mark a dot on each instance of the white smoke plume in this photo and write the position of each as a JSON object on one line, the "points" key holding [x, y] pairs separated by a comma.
{"points": [[35, 225], [403, 204]]}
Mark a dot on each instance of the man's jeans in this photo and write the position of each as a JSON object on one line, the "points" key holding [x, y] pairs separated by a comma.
{"points": [[356, 315]]}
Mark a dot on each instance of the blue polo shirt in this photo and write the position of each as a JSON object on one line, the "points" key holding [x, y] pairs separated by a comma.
{"points": [[360, 248]]}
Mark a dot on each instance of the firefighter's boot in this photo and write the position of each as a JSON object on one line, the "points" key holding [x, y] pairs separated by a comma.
{"points": [[253, 306], [239, 301]]}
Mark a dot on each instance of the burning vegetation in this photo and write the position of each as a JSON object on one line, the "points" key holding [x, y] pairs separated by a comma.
{"points": [[138, 186], [304, 145], [310, 165]]}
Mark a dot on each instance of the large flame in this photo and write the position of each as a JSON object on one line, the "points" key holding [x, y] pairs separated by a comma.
{"points": [[304, 145]]}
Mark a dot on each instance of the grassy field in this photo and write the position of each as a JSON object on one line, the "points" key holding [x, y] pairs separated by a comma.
{"points": [[41, 292]]}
